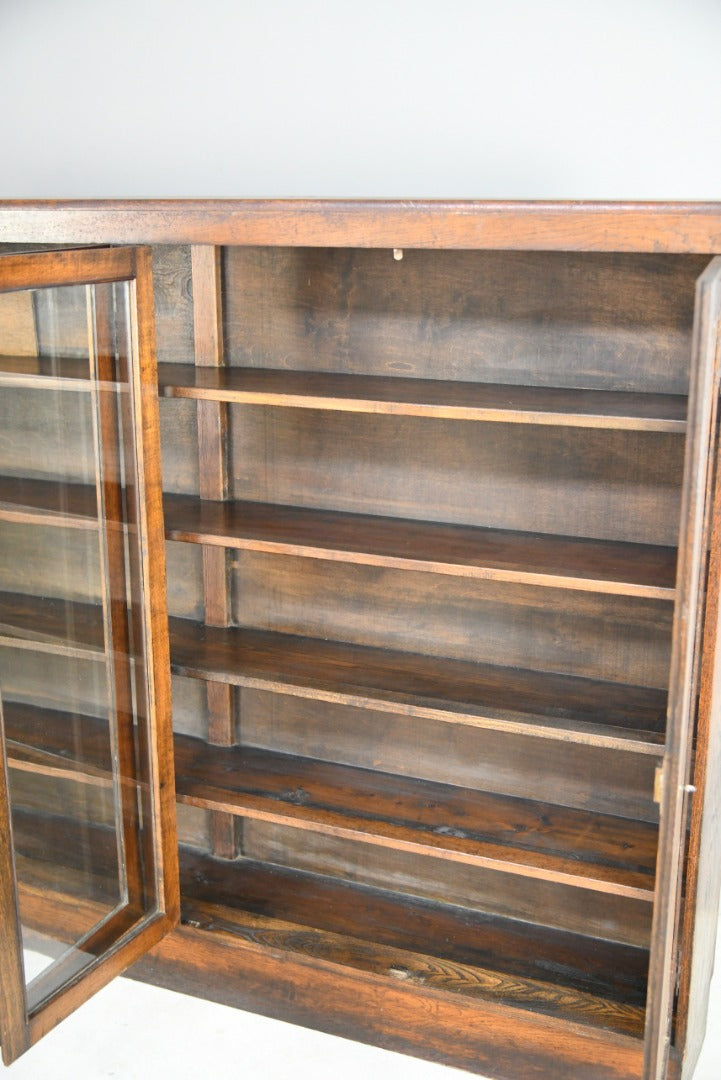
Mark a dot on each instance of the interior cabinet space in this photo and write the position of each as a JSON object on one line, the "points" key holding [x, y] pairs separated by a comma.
{"points": [[442, 548]]}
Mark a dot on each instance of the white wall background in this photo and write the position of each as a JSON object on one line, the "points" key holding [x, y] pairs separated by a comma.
{"points": [[460, 98]]}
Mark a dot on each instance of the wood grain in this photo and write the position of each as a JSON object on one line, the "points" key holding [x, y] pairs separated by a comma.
{"points": [[48, 502], [563, 907], [425, 397], [465, 551], [446, 931], [541, 226], [519, 836], [47, 269], [573, 319], [58, 742], [500, 555], [699, 912], [478, 982], [52, 625], [457, 691], [480, 1035], [45, 373], [612, 485], [572, 774], [703, 868]]}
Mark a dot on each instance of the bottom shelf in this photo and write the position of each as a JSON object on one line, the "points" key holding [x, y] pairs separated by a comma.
{"points": [[418, 942], [354, 929]]}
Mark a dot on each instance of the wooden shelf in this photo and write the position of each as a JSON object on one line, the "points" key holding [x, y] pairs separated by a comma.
{"points": [[564, 562], [426, 397], [518, 836], [548, 705], [48, 502], [448, 948], [460, 550], [62, 627], [53, 373], [60, 744], [42, 372]]}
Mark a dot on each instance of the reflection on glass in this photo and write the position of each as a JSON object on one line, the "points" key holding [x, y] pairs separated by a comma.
{"points": [[71, 675]]}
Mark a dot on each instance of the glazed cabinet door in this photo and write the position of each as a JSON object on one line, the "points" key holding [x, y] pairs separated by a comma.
{"points": [[88, 854], [690, 688]]}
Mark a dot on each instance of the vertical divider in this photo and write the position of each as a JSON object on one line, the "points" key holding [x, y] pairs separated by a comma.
{"points": [[213, 474]]}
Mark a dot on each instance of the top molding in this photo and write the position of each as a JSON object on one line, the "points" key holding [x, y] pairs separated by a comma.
{"points": [[541, 226]]}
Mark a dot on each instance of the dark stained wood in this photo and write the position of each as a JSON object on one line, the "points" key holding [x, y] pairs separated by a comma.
{"points": [[591, 778], [46, 269], [340, 606], [522, 992], [393, 1013], [213, 483], [52, 625], [61, 452], [447, 931], [534, 839], [154, 729], [480, 957], [425, 397], [173, 294], [542, 226], [45, 742], [538, 703], [41, 372], [627, 569], [607, 638], [684, 674], [63, 853], [612, 485], [219, 963], [48, 502], [375, 807], [574, 319], [548, 903], [59, 743], [457, 949]]}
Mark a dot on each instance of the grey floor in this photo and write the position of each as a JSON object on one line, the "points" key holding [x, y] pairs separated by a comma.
{"points": [[130, 1031]]}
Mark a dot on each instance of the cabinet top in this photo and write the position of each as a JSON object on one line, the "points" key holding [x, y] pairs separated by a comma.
{"points": [[541, 226]]}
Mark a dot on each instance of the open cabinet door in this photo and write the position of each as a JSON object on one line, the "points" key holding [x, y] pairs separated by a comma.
{"points": [[686, 662], [88, 852]]}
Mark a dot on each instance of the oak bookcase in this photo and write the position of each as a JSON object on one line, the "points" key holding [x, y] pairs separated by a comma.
{"points": [[442, 541]]}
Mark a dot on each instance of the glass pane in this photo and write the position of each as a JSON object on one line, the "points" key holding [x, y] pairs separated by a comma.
{"points": [[72, 677]]}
